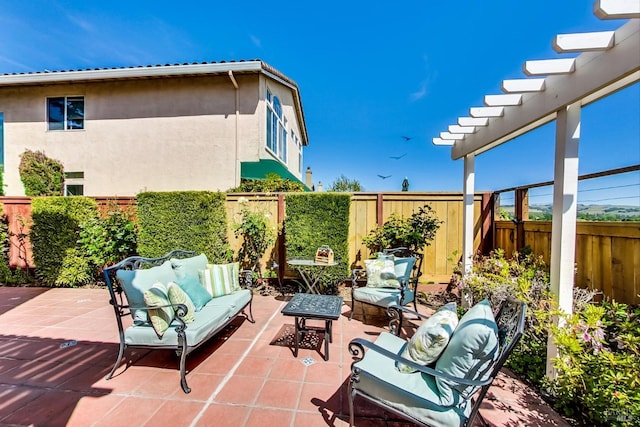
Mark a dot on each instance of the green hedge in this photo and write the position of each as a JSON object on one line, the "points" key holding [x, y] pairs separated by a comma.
{"points": [[54, 237], [188, 220], [316, 219]]}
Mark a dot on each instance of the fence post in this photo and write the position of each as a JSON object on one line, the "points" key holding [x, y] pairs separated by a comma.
{"points": [[379, 210], [521, 215]]}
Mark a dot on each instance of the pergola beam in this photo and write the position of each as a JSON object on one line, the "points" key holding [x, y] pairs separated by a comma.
{"points": [[597, 75]]}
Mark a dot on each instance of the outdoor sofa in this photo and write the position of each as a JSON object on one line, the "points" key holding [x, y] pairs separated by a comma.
{"points": [[152, 291]]}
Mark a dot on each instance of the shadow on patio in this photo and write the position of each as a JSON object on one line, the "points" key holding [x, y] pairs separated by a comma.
{"points": [[56, 346]]}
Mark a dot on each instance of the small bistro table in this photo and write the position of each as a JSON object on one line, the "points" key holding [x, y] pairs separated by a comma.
{"points": [[313, 307], [310, 271]]}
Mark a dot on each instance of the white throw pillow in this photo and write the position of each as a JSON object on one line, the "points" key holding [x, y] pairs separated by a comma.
{"points": [[431, 338]]}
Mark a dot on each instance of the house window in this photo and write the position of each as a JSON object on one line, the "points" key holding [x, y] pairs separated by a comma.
{"points": [[65, 113], [296, 141], [74, 183], [276, 128]]}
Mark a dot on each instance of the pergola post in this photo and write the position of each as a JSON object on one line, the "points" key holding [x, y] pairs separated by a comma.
{"points": [[467, 219], [563, 227]]}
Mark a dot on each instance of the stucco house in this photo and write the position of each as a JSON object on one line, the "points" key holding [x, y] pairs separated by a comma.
{"points": [[119, 131]]}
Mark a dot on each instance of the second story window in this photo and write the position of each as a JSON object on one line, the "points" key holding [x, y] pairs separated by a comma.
{"points": [[65, 113], [276, 128]]}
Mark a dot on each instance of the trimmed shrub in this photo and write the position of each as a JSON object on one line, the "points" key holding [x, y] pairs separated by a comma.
{"points": [[316, 219], [271, 184], [41, 175], [187, 220], [55, 231]]}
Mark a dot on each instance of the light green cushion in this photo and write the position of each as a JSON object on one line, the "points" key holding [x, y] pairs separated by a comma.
{"points": [[471, 351], [198, 294], [188, 267], [220, 279], [431, 338], [380, 273], [162, 317], [415, 394], [382, 297], [136, 282], [178, 296]]}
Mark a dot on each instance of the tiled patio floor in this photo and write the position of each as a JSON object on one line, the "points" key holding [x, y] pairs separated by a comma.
{"points": [[244, 377]]}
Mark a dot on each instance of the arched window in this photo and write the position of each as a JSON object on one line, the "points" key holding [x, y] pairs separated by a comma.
{"points": [[276, 127]]}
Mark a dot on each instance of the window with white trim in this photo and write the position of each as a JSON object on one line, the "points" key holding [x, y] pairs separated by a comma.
{"points": [[74, 183], [296, 141], [276, 127], [65, 113]]}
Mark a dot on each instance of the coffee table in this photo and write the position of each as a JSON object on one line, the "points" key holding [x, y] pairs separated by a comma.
{"points": [[313, 307]]}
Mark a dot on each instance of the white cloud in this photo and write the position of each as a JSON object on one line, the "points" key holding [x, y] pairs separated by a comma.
{"points": [[256, 41]]}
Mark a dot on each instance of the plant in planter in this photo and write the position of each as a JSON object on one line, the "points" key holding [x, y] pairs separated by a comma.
{"points": [[257, 233], [413, 233]]}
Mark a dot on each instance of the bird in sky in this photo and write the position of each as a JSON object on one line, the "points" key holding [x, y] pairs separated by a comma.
{"points": [[384, 176], [397, 157], [406, 138]]}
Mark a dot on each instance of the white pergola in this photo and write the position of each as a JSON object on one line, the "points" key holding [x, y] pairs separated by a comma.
{"points": [[553, 89]]}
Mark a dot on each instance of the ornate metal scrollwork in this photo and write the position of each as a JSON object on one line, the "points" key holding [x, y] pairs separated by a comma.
{"points": [[395, 321], [357, 352]]}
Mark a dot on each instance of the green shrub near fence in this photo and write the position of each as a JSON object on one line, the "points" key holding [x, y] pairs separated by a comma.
{"points": [[54, 236], [316, 219], [188, 220]]}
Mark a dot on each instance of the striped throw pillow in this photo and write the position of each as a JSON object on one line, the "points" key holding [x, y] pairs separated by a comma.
{"points": [[162, 317], [220, 279]]}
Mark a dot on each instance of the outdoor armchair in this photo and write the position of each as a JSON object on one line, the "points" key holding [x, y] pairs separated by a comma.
{"points": [[448, 392], [395, 288]]}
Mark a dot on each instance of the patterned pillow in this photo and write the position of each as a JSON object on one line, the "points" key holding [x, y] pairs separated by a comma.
{"points": [[178, 296], [381, 272], [198, 294], [160, 318], [431, 338], [221, 279]]}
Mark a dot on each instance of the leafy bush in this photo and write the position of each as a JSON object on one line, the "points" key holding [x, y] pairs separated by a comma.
{"points": [[257, 234], [344, 184], [41, 175], [56, 228], [76, 269], [187, 220], [413, 233], [525, 277], [316, 219], [109, 238], [598, 365], [271, 184]]}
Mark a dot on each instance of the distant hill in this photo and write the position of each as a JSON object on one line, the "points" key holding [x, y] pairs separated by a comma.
{"points": [[585, 212]]}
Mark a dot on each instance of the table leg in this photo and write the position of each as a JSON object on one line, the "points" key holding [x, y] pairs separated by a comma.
{"points": [[296, 340], [327, 339]]}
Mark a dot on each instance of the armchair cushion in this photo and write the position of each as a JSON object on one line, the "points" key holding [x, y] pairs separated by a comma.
{"points": [[188, 267], [403, 267], [431, 338], [382, 297], [160, 317], [471, 351], [414, 394], [136, 282]]}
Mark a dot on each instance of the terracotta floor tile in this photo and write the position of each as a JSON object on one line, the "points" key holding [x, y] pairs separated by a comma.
{"points": [[220, 364], [260, 417], [240, 390], [324, 373], [202, 387], [222, 415], [52, 407], [90, 409], [131, 411], [316, 397], [279, 394], [255, 366], [316, 419], [288, 368], [175, 413]]}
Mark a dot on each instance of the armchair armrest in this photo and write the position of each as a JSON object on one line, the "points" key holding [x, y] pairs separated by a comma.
{"points": [[357, 349]]}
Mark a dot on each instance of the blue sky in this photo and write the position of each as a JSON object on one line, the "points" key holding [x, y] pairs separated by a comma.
{"points": [[369, 73]]}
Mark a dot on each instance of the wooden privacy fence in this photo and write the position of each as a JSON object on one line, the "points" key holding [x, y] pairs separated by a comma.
{"points": [[367, 211], [607, 253]]}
